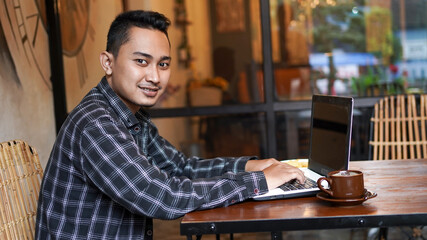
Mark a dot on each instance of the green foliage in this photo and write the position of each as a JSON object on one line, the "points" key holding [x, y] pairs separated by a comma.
{"points": [[360, 85], [339, 27]]}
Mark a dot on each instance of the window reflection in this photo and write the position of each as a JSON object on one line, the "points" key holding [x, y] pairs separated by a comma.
{"points": [[225, 42], [353, 47], [231, 135]]}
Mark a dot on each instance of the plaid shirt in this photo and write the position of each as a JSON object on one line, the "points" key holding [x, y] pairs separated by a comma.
{"points": [[110, 173]]}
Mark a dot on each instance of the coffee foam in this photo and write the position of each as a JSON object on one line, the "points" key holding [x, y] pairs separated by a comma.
{"points": [[345, 173]]}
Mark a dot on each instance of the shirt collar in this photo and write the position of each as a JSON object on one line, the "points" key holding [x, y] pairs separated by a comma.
{"points": [[124, 113]]}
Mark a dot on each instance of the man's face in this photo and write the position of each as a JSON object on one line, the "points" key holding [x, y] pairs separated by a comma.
{"points": [[140, 71]]}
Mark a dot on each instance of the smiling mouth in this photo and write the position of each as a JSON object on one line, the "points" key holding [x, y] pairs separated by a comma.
{"points": [[150, 89]]}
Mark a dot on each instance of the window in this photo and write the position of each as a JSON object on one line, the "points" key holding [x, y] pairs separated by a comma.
{"points": [[246, 69], [353, 47]]}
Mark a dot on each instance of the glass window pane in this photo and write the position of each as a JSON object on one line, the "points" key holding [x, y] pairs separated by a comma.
{"points": [[213, 136], [348, 47], [216, 50], [293, 134]]}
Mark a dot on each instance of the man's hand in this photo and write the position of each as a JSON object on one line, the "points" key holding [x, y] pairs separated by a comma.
{"points": [[259, 165], [280, 173], [276, 173]]}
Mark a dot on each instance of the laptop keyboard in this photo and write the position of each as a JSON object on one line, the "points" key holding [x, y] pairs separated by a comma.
{"points": [[295, 185]]}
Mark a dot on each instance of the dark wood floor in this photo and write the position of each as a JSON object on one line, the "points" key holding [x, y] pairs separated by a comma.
{"points": [[169, 230]]}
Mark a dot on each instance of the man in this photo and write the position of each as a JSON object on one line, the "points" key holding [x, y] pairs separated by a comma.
{"points": [[110, 172]]}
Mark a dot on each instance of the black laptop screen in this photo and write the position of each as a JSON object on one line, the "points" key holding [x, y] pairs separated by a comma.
{"points": [[331, 123]]}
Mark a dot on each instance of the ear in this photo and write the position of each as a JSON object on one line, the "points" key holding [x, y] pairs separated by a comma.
{"points": [[106, 60]]}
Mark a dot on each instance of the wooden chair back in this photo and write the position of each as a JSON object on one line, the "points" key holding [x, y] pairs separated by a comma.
{"points": [[20, 177], [398, 128]]}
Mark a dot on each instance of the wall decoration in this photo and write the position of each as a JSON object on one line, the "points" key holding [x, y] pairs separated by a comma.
{"points": [[84, 28], [25, 85], [6, 61], [230, 16], [74, 30], [24, 20]]}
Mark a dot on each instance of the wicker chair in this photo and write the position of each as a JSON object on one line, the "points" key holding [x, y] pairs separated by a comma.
{"points": [[398, 131], [398, 128], [20, 177]]}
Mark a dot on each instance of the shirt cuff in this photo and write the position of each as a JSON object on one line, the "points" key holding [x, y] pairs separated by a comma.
{"points": [[237, 165], [255, 183]]}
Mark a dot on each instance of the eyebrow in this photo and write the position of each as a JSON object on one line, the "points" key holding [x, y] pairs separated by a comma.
{"points": [[163, 58]]}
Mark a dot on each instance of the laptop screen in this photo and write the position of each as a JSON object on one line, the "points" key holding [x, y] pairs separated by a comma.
{"points": [[331, 124]]}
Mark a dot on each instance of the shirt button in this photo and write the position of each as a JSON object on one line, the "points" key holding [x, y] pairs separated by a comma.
{"points": [[136, 128], [149, 232], [233, 201], [256, 191]]}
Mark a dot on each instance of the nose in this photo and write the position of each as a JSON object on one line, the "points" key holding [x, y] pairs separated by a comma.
{"points": [[152, 74]]}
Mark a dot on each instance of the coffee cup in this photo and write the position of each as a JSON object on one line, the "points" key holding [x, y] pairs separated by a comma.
{"points": [[343, 184]]}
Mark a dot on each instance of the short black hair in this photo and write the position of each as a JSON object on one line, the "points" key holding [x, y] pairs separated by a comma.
{"points": [[118, 34]]}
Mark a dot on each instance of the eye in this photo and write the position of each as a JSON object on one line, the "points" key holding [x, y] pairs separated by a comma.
{"points": [[164, 65], [141, 61]]}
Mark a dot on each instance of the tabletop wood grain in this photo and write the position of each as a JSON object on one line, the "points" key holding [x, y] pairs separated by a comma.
{"points": [[401, 186]]}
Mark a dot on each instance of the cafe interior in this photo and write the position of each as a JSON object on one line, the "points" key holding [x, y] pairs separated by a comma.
{"points": [[243, 74]]}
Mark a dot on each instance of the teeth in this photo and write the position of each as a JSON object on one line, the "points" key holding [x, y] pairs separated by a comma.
{"points": [[148, 89]]}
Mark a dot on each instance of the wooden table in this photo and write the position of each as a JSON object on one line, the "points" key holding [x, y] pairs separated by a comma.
{"points": [[401, 186]]}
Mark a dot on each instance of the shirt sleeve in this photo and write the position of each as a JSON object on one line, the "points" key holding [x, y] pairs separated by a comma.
{"points": [[168, 158], [117, 167]]}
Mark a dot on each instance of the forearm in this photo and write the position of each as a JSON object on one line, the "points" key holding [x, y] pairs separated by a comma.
{"points": [[165, 156], [205, 168], [161, 196]]}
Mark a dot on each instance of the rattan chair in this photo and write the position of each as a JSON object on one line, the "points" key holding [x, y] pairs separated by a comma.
{"points": [[398, 131], [398, 128], [20, 177]]}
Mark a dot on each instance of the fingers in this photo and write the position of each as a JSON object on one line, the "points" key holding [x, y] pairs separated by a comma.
{"points": [[280, 173], [301, 176], [294, 173]]}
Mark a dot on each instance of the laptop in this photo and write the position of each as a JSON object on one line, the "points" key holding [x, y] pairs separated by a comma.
{"points": [[330, 138]]}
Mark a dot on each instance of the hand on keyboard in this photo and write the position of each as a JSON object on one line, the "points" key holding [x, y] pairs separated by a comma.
{"points": [[294, 185], [279, 173]]}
